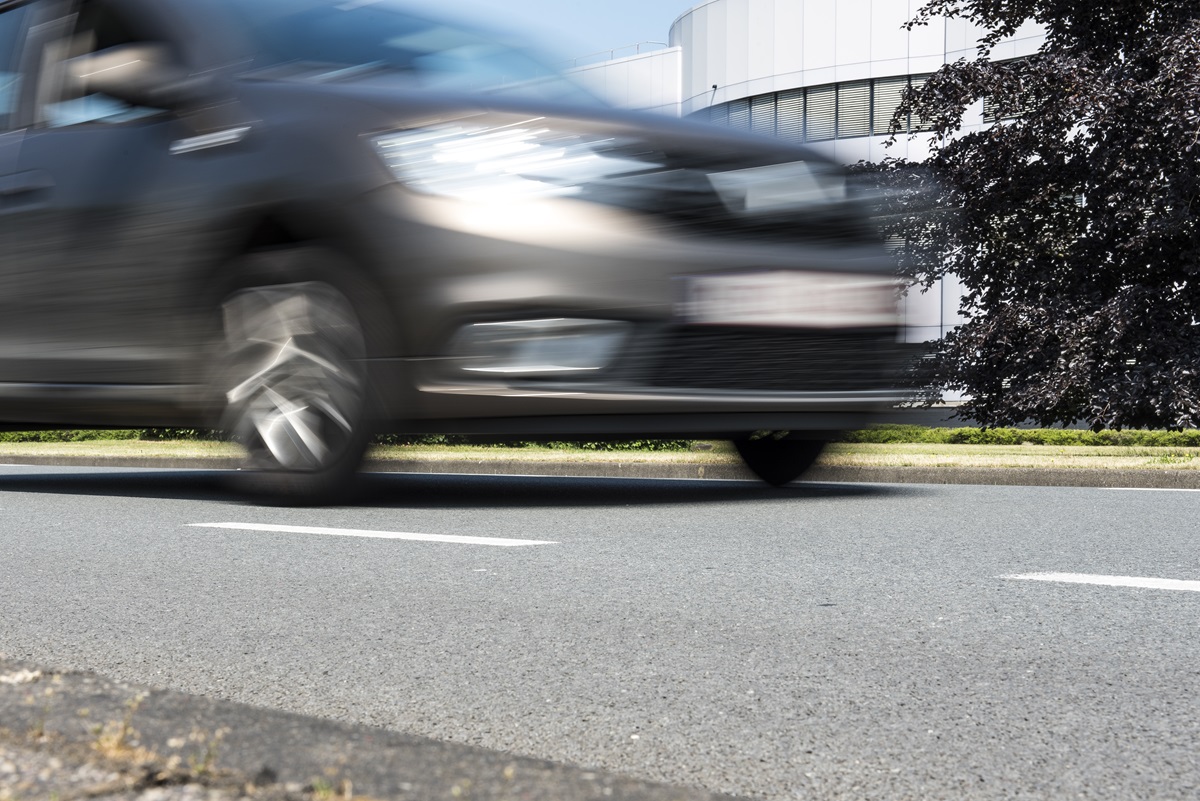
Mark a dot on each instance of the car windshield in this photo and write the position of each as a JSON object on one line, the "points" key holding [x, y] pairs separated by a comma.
{"points": [[358, 37]]}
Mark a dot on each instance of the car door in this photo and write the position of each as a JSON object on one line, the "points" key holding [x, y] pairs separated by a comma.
{"points": [[96, 225]]}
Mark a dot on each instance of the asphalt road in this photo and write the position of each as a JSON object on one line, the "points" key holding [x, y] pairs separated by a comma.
{"points": [[823, 641]]}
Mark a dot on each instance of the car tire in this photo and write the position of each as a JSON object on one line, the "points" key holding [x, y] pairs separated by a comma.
{"points": [[295, 391], [778, 460]]}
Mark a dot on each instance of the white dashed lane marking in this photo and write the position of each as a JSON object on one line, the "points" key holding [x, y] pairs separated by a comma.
{"points": [[1152, 489], [499, 542], [1111, 581]]}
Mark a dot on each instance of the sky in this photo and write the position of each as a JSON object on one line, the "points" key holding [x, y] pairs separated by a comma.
{"points": [[574, 28]]}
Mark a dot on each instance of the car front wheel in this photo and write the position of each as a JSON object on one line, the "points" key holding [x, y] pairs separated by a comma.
{"points": [[295, 389]]}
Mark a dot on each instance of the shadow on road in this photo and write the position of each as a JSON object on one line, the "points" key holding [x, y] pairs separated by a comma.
{"points": [[434, 491], [464, 492]]}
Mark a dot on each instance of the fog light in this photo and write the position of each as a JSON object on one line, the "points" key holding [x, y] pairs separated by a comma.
{"points": [[538, 347]]}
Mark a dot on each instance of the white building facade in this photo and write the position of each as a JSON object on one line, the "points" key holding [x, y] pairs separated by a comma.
{"points": [[827, 73], [649, 80]]}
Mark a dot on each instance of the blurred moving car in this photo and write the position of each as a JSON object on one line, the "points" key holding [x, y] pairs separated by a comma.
{"points": [[307, 221]]}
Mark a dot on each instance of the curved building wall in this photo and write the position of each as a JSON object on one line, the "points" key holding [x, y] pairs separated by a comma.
{"points": [[644, 81], [828, 72]]}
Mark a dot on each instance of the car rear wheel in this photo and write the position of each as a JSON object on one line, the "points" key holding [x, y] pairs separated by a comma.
{"points": [[778, 460], [295, 389]]}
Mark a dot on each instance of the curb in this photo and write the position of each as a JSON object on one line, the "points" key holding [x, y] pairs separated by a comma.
{"points": [[997, 476]]}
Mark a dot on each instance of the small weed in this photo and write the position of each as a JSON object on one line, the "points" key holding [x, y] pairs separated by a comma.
{"points": [[323, 789], [115, 738], [204, 761], [37, 731]]}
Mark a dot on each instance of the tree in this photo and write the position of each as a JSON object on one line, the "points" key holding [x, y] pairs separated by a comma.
{"points": [[1074, 224]]}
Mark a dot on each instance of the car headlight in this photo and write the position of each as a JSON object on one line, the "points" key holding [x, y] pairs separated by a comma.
{"points": [[522, 160]]}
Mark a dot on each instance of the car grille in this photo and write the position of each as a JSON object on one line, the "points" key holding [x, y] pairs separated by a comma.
{"points": [[701, 357], [681, 198], [836, 223], [703, 214]]}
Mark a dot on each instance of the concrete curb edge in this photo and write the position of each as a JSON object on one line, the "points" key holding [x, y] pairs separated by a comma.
{"points": [[999, 476]]}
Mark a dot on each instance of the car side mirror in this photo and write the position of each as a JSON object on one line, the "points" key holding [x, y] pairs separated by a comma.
{"points": [[143, 74]]}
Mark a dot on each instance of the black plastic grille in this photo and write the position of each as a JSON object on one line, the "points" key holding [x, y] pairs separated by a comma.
{"points": [[703, 357], [682, 198], [841, 222]]}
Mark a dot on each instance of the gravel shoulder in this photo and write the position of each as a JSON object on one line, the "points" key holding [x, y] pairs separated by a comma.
{"points": [[69, 735]]}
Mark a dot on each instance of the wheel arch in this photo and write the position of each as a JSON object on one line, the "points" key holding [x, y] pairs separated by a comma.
{"points": [[238, 238], [281, 227]]}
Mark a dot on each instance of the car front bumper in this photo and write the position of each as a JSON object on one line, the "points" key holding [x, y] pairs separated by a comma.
{"points": [[448, 267]]}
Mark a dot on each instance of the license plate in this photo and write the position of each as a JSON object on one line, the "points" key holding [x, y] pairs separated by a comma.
{"points": [[789, 299]]}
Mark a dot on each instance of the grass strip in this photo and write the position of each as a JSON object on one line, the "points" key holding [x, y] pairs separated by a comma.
{"points": [[878, 435], [909, 434], [1028, 455], [842, 454]]}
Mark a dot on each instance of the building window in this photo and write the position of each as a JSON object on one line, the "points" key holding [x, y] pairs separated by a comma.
{"points": [[789, 115], [762, 114], [887, 95], [853, 109], [739, 114], [818, 113], [991, 109], [918, 124]]}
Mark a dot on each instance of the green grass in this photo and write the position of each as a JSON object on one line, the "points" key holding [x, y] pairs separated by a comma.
{"points": [[106, 435], [883, 446], [878, 435], [896, 434], [66, 436]]}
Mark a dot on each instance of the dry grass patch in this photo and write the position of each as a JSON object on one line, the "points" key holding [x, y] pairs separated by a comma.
{"points": [[717, 452], [1038, 456]]}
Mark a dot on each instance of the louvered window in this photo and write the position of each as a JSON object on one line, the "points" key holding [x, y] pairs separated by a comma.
{"points": [[762, 114], [831, 111], [739, 114], [918, 124], [789, 120], [820, 117], [991, 111], [719, 114], [888, 92], [853, 109]]}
